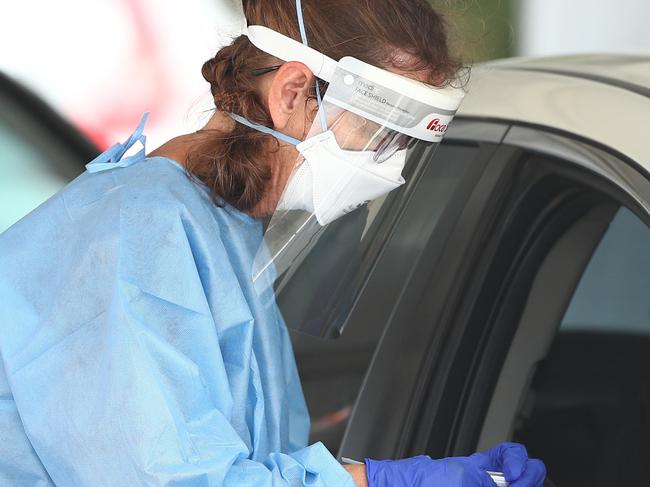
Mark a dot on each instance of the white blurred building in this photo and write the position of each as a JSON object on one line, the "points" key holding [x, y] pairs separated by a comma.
{"points": [[551, 27], [103, 63]]}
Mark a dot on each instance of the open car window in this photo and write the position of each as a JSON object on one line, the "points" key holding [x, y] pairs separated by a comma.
{"points": [[573, 385]]}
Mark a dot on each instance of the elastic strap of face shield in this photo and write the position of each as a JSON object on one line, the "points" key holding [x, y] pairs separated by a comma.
{"points": [[303, 35], [264, 129], [273, 132]]}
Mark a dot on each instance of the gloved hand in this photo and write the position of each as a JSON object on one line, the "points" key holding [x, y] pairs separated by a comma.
{"points": [[422, 471], [511, 459]]}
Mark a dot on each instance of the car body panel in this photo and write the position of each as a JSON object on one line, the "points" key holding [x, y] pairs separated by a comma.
{"points": [[608, 115], [633, 70]]}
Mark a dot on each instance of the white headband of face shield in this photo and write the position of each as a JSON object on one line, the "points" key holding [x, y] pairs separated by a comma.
{"points": [[434, 107], [331, 181], [430, 108]]}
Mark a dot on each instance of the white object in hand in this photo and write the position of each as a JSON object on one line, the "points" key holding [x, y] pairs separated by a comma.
{"points": [[499, 479]]}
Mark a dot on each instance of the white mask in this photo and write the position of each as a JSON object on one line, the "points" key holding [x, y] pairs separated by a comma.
{"points": [[332, 182]]}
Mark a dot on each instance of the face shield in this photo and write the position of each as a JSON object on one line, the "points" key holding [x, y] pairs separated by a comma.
{"points": [[354, 155]]}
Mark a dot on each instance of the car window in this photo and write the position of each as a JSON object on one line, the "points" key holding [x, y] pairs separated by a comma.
{"points": [[332, 371], [613, 295], [26, 178]]}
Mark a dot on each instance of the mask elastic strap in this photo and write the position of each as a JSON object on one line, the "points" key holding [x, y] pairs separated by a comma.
{"points": [[262, 128], [303, 35]]}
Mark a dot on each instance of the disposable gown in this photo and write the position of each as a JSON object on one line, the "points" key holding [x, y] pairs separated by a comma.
{"points": [[135, 350]]}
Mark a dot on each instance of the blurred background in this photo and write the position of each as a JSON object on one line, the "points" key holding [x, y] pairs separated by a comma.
{"points": [[77, 76]]}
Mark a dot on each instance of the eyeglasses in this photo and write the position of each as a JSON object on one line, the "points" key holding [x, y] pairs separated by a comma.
{"points": [[261, 71], [357, 133]]}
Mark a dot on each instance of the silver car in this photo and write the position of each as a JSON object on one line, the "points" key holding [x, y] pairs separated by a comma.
{"points": [[504, 291]]}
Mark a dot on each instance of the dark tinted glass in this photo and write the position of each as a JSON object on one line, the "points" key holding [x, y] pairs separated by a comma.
{"points": [[381, 244]]}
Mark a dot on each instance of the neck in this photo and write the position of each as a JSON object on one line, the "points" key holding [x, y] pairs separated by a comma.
{"points": [[281, 161]]}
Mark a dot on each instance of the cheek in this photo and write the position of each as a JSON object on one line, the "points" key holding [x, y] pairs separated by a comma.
{"points": [[299, 124], [355, 139], [307, 117]]}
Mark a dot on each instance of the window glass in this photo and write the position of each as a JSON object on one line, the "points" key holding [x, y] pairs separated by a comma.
{"points": [[332, 371]]}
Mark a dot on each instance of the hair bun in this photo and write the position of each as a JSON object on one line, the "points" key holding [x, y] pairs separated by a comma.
{"points": [[208, 70]]}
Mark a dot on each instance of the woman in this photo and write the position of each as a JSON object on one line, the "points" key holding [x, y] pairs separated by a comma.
{"points": [[136, 348]]}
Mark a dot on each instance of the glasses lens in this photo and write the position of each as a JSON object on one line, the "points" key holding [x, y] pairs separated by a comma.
{"points": [[391, 143], [356, 133]]}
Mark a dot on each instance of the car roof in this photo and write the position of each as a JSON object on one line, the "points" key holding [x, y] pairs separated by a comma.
{"points": [[631, 71], [604, 98]]}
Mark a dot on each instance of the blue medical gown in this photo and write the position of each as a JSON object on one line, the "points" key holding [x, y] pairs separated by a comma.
{"points": [[135, 349]]}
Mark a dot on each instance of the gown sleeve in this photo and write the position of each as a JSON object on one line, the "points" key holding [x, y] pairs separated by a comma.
{"points": [[113, 355]]}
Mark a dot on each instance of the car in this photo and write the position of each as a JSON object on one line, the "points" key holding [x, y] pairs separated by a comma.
{"points": [[504, 292], [39, 151]]}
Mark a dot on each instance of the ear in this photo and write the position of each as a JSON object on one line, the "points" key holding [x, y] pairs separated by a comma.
{"points": [[288, 92]]}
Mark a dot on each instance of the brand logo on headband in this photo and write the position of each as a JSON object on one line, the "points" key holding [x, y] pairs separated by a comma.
{"points": [[436, 126]]}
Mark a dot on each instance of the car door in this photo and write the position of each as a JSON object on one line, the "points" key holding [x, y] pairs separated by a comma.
{"points": [[454, 366]]}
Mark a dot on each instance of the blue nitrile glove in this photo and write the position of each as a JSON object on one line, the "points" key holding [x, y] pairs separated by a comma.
{"points": [[422, 471]]}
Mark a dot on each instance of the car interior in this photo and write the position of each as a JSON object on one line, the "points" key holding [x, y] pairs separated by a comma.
{"points": [[588, 409], [574, 384]]}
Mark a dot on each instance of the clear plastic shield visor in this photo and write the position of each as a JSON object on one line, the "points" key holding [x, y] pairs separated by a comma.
{"points": [[355, 154]]}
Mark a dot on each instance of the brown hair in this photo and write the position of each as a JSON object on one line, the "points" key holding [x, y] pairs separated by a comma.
{"points": [[404, 34]]}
